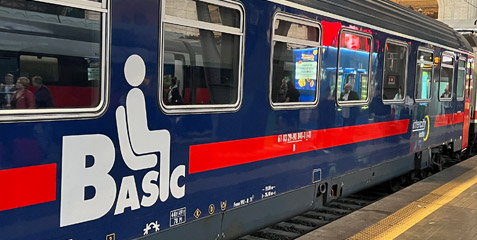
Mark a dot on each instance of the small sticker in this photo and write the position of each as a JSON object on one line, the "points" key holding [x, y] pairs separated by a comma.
{"points": [[223, 205], [177, 217], [269, 191], [294, 137], [197, 213], [211, 209], [152, 226], [391, 80], [316, 175], [111, 236], [244, 201]]}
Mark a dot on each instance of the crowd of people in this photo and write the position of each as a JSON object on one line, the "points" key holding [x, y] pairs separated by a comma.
{"points": [[24, 94]]}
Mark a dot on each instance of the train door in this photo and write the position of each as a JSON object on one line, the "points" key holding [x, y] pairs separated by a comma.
{"points": [[468, 84]]}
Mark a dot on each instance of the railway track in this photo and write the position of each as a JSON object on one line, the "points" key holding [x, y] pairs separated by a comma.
{"points": [[297, 226], [311, 220]]}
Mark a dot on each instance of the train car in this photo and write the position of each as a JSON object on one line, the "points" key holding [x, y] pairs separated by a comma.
{"points": [[209, 119]]}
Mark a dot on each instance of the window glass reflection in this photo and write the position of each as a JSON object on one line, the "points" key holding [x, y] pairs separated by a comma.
{"points": [[424, 75], [395, 66], [296, 31], [294, 77], [354, 57], [461, 79], [52, 55], [202, 11], [200, 66], [445, 83], [295, 66]]}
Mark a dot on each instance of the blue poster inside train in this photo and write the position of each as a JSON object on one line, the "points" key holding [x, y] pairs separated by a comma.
{"points": [[306, 63]]}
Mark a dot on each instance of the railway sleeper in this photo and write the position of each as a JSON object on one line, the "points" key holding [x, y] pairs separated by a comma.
{"points": [[276, 234], [335, 211], [292, 227], [321, 216], [345, 206], [350, 200], [312, 222], [250, 237]]}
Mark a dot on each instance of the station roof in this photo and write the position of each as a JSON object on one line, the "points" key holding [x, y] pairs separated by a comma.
{"points": [[392, 16], [466, 27]]}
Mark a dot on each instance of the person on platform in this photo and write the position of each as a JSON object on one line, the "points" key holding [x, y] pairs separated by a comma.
{"points": [[22, 98], [6, 90], [348, 94], [43, 97], [293, 95]]}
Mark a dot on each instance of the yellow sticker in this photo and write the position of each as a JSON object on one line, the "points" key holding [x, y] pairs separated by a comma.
{"points": [[197, 213], [223, 205], [211, 209], [111, 236]]}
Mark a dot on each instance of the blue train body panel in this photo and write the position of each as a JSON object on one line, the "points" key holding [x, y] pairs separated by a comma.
{"points": [[136, 170]]}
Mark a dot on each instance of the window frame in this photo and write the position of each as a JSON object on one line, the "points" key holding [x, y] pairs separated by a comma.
{"points": [[101, 6], [402, 44], [61, 114], [453, 56], [370, 62], [461, 58], [177, 21], [431, 51], [302, 21]]}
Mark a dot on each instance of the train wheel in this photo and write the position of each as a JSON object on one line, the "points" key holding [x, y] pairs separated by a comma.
{"points": [[412, 177], [425, 173], [437, 162], [395, 184]]}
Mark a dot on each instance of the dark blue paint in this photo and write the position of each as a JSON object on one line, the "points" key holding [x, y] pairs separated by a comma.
{"points": [[135, 30]]}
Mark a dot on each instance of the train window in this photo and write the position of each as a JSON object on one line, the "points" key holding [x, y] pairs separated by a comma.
{"points": [[297, 31], [354, 63], [460, 80], [445, 83], [203, 12], [395, 71], [202, 56], [294, 69], [470, 70], [52, 58], [424, 70]]}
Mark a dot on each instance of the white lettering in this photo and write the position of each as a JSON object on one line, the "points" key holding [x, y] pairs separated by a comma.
{"points": [[177, 192], [127, 196], [75, 177], [150, 188]]}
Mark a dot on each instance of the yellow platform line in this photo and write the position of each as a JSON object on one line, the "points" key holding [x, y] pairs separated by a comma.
{"points": [[400, 221]]}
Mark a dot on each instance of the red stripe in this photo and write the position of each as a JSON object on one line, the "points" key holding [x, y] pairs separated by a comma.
{"points": [[465, 133], [443, 120], [449, 119], [206, 157], [27, 186], [458, 118]]}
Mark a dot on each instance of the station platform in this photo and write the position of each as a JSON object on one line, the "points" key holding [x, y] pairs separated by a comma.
{"points": [[442, 206]]}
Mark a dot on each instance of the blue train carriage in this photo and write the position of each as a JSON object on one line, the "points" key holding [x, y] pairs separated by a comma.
{"points": [[210, 119]]}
